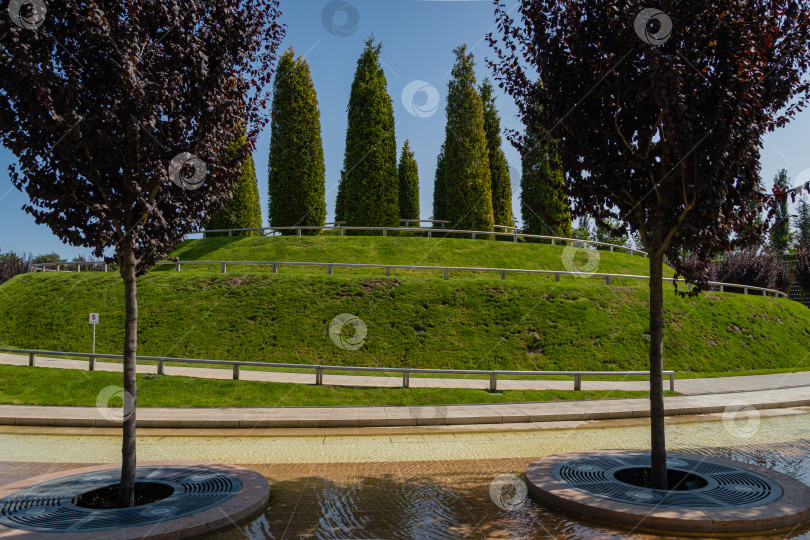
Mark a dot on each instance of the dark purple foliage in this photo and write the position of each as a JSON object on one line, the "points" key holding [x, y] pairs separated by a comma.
{"points": [[748, 267], [12, 264], [803, 267]]}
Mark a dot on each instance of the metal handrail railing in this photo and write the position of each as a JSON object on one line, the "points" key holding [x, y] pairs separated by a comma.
{"points": [[319, 369], [330, 266], [429, 231]]}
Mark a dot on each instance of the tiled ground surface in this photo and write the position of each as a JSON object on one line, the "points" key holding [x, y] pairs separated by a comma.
{"points": [[430, 499]]}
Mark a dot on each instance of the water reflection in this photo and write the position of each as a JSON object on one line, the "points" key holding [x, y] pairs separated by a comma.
{"points": [[445, 499]]}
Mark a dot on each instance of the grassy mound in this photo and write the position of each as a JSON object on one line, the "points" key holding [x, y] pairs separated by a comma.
{"points": [[463, 323]]}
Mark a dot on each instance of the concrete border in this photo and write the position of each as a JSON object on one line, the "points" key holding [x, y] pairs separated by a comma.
{"points": [[390, 416], [791, 510], [254, 495]]}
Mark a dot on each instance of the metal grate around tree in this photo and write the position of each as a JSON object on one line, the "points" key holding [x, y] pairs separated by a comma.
{"points": [[726, 486], [49, 507]]}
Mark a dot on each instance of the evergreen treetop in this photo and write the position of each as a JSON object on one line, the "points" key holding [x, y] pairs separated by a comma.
{"points": [[408, 172], [498, 167], [468, 181]]}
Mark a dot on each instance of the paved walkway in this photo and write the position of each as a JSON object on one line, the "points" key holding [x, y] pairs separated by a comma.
{"points": [[683, 386]]}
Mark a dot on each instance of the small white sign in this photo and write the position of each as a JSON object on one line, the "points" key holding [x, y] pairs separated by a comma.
{"points": [[94, 318]]}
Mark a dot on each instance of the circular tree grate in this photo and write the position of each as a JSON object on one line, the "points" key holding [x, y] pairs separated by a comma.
{"points": [[726, 486], [48, 507]]}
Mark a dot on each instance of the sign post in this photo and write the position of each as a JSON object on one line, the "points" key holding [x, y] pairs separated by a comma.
{"points": [[93, 322]]}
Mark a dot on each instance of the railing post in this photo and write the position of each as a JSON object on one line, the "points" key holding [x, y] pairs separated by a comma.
{"points": [[229, 232], [515, 237], [79, 269], [446, 273], [318, 376], [493, 382], [429, 233], [388, 271], [177, 266], [406, 379], [224, 268], [329, 269], [340, 231], [577, 382], [473, 236], [607, 280], [236, 372], [385, 232], [92, 364], [557, 277], [611, 248], [553, 242], [671, 382], [745, 289], [58, 267], [160, 367], [721, 288], [32, 359], [105, 267], [275, 268], [298, 231]]}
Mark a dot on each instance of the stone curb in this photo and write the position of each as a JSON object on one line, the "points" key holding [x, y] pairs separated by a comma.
{"points": [[333, 417]]}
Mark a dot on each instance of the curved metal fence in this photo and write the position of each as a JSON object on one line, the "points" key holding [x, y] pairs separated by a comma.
{"points": [[431, 232], [319, 369], [330, 266]]}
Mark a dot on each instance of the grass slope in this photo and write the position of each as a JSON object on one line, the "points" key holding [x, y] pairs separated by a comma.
{"points": [[395, 250], [46, 386], [476, 323]]}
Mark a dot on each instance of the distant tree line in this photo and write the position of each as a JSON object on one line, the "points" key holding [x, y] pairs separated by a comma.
{"points": [[12, 263]]}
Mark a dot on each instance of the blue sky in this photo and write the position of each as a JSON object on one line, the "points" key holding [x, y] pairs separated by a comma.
{"points": [[418, 38]]}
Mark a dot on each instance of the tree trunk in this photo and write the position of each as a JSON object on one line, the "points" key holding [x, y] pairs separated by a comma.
{"points": [[126, 492], [658, 451]]}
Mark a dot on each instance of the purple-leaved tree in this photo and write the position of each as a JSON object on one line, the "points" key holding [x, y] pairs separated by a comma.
{"points": [[121, 115], [658, 109]]}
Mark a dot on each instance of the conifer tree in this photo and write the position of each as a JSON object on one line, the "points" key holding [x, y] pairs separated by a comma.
{"points": [[498, 167], [802, 221], [439, 191], [244, 210], [296, 174], [408, 172], [780, 235], [544, 206], [468, 182], [370, 195], [340, 213]]}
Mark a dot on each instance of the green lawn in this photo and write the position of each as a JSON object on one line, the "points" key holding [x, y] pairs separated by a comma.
{"points": [[464, 324], [47, 386]]}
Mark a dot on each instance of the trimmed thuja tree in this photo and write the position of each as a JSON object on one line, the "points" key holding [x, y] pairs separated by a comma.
{"points": [[408, 172], [244, 210], [543, 203], [369, 189], [439, 192], [296, 174], [658, 117], [121, 116], [498, 167], [781, 236], [468, 182]]}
